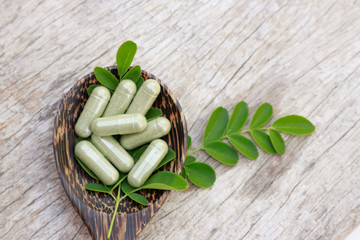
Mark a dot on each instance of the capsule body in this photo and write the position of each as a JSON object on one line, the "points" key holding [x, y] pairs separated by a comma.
{"points": [[93, 108], [97, 163], [144, 97], [156, 128], [147, 163], [121, 98], [112, 150], [119, 124]]}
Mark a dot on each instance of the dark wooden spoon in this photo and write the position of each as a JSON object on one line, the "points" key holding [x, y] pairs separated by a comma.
{"points": [[96, 208]]}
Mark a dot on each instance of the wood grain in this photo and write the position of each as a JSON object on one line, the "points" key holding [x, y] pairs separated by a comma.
{"points": [[301, 56]]}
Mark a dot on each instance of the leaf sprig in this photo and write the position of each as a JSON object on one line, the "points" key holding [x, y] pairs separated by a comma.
{"points": [[220, 127]]}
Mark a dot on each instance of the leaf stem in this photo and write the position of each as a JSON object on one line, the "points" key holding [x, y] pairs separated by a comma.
{"points": [[197, 149], [118, 200]]}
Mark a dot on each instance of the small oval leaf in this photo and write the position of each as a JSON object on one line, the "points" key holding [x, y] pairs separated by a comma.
{"points": [[244, 145], [188, 142], [139, 152], [125, 56], [263, 141], [216, 126], [133, 74], [238, 117], [139, 82], [106, 78], [165, 181], [168, 157], [96, 187], [189, 159], [86, 169], [261, 116], [294, 124], [201, 174], [277, 141], [126, 188], [222, 152], [138, 198], [153, 113], [91, 88], [183, 173]]}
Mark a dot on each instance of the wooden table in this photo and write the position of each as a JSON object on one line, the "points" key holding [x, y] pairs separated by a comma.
{"points": [[301, 56]]}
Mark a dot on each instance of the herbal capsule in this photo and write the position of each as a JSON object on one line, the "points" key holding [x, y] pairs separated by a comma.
{"points": [[155, 129], [121, 98], [112, 150], [147, 163], [119, 124], [97, 163], [145, 97], [93, 108]]}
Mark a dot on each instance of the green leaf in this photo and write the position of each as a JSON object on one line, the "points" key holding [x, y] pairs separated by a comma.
{"points": [[216, 126], [188, 142], [201, 174], [126, 188], [132, 151], [106, 78], [133, 74], [277, 141], [222, 152], [97, 187], [168, 157], [261, 116], [244, 145], [294, 124], [121, 179], [153, 113], [263, 141], [138, 198], [165, 181], [86, 169], [183, 173], [238, 117], [139, 82], [125, 56], [139, 152], [81, 138], [189, 159], [91, 88]]}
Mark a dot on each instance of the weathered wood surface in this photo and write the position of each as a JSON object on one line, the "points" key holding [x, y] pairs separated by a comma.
{"points": [[301, 56]]}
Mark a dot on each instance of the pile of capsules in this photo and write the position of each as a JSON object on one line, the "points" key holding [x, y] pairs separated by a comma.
{"points": [[121, 114]]}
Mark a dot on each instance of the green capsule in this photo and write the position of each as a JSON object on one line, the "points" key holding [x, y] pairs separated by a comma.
{"points": [[119, 124], [93, 108], [121, 98], [156, 128], [97, 163], [112, 150], [147, 163], [145, 97]]}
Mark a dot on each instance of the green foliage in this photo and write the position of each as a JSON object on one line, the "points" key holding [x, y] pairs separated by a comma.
{"points": [[133, 74], [106, 78], [91, 88], [216, 126], [200, 174], [222, 152], [277, 141], [165, 181], [294, 124], [168, 157], [153, 113], [261, 116], [125, 56]]}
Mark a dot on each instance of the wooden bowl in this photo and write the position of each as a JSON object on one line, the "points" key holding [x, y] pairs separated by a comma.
{"points": [[96, 208]]}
